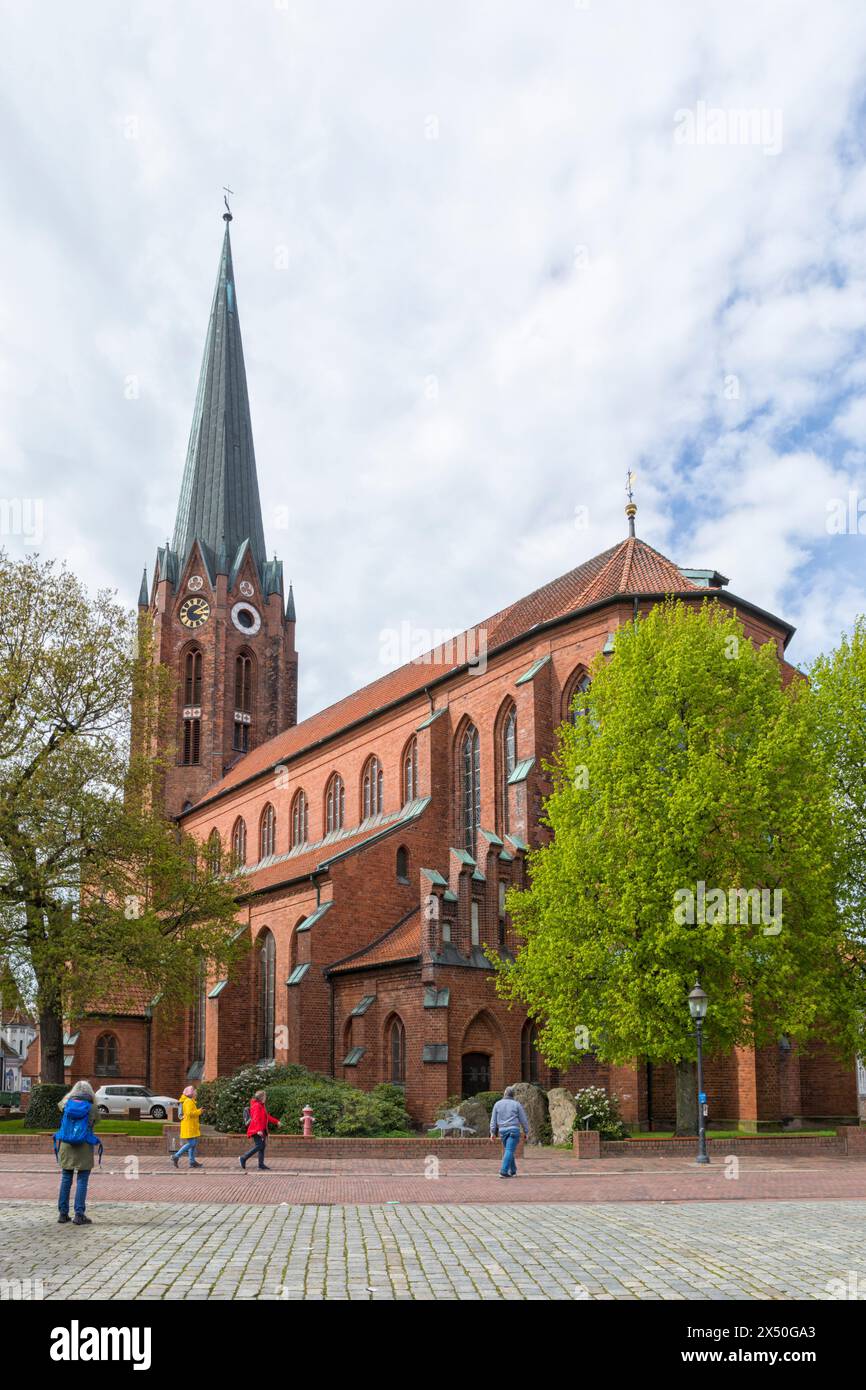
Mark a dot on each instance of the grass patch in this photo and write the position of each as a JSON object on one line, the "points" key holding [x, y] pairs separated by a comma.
{"points": [[134, 1127]]}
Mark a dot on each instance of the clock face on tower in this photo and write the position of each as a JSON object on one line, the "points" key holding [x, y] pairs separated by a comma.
{"points": [[194, 612]]}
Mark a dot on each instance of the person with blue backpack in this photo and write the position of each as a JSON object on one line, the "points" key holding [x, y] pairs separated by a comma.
{"points": [[74, 1143]]}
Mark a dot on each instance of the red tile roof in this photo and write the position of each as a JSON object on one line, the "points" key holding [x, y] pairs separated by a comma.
{"points": [[130, 1001], [402, 942], [628, 568]]}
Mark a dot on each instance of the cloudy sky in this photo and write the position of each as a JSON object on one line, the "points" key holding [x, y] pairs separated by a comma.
{"points": [[488, 257]]}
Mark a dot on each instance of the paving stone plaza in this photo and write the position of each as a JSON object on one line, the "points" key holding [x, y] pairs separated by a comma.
{"points": [[780, 1231]]}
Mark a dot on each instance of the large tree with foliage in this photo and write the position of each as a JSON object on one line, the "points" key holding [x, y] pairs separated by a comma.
{"points": [[839, 686], [97, 888], [690, 764]]}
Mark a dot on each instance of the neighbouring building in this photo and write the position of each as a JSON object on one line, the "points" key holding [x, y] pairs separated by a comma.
{"points": [[377, 838]]}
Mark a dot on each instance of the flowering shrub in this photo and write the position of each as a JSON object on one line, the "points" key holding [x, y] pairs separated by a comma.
{"points": [[598, 1110]]}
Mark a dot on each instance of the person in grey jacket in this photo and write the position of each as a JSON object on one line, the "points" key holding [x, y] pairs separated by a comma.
{"points": [[507, 1120]]}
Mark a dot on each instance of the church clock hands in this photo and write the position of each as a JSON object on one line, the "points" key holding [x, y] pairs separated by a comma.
{"points": [[194, 612]]}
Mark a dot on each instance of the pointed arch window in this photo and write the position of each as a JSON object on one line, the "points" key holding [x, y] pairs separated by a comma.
{"points": [[192, 677], [267, 995], [239, 842], [470, 787], [396, 1052], [372, 788], [268, 832], [106, 1057], [529, 1052], [243, 715], [214, 851], [300, 819], [575, 708], [410, 771], [402, 864], [507, 760], [191, 732], [199, 1015], [335, 804]]}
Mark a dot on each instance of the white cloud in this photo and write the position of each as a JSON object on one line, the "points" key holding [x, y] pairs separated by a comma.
{"points": [[580, 287]]}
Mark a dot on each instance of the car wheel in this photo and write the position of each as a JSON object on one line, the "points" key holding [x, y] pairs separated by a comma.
{"points": [[103, 1110], [158, 1113]]}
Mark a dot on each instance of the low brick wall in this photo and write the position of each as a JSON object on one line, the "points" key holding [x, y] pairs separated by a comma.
{"points": [[285, 1146], [848, 1139]]}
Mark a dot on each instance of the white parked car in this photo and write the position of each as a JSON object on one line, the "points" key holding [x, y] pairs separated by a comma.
{"points": [[117, 1100]]}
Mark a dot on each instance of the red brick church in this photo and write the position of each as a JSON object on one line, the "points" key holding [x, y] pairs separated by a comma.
{"points": [[378, 837]]}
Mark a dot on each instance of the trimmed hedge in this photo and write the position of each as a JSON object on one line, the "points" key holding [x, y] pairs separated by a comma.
{"points": [[43, 1112]]}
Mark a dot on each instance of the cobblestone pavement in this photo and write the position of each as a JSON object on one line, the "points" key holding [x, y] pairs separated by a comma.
{"points": [[545, 1176], [700, 1250]]}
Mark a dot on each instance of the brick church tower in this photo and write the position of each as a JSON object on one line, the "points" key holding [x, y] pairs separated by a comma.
{"points": [[221, 621]]}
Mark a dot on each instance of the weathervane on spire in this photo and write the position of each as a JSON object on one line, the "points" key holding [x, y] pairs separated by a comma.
{"points": [[227, 193], [631, 508]]}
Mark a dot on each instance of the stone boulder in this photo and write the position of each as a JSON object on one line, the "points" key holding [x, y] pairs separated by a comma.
{"points": [[562, 1109], [476, 1116], [534, 1102]]}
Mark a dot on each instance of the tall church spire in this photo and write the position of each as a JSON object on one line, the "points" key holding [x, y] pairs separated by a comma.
{"points": [[219, 498]]}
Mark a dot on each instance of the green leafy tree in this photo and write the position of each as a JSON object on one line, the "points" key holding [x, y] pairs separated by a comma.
{"points": [[839, 685], [691, 764], [97, 887]]}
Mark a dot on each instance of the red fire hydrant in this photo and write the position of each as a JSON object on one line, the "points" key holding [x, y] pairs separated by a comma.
{"points": [[307, 1117]]}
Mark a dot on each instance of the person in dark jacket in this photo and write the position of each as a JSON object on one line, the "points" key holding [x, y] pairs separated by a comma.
{"points": [[257, 1130], [76, 1158]]}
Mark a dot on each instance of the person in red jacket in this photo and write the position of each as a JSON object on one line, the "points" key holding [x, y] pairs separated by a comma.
{"points": [[257, 1130]]}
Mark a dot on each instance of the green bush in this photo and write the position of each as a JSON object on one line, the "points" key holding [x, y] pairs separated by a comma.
{"points": [[368, 1113], [488, 1099], [223, 1100], [10, 1098], [325, 1097], [42, 1112], [600, 1111]]}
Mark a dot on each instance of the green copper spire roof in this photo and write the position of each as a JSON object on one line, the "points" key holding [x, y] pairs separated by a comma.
{"points": [[143, 595], [219, 497]]}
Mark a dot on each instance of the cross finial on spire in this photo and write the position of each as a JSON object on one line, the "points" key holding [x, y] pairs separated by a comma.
{"points": [[227, 193], [631, 508]]}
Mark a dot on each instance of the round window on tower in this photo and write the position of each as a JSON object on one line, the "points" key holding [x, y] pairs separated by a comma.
{"points": [[246, 618]]}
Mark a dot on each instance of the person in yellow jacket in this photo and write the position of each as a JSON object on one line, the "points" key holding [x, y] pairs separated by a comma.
{"points": [[190, 1128]]}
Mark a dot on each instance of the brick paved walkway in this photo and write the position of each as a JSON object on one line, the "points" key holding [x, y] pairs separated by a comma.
{"points": [[208, 1250], [546, 1176]]}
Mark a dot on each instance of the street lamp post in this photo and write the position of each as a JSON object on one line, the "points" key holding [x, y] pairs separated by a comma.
{"points": [[698, 1011]]}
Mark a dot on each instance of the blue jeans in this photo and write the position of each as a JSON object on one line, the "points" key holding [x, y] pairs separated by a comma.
{"points": [[190, 1144], [259, 1141], [80, 1191], [510, 1139]]}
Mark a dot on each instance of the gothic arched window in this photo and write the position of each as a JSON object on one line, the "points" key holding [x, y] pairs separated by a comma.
{"points": [[106, 1057], [191, 732], [300, 822], [243, 712], [573, 707], [396, 1052], [410, 771], [372, 793], [507, 760], [268, 832], [267, 994], [335, 804], [529, 1052], [470, 787], [239, 841], [402, 864], [214, 851]]}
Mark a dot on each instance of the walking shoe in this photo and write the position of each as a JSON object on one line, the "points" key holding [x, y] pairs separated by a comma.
{"points": [[243, 1165], [63, 1218], [174, 1159], [263, 1168], [79, 1220], [196, 1164]]}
